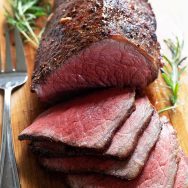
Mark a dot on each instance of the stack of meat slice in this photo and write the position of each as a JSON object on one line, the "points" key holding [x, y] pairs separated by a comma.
{"points": [[109, 132], [113, 137], [166, 167]]}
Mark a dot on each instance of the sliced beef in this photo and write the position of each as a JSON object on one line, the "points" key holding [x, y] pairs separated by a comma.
{"points": [[53, 149], [124, 141], [87, 122], [98, 43], [50, 149], [128, 169], [182, 173], [159, 171], [141, 153]]}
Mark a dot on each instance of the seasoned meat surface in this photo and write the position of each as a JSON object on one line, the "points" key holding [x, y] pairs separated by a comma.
{"points": [[96, 43]]}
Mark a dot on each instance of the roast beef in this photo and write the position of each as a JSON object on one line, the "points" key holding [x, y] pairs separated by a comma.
{"points": [[127, 169], [49, 149], [124, 140], [96, 43], [159, 171], [87, 122], [182, 173]]}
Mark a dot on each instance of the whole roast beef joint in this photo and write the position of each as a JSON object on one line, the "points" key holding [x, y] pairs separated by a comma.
{"points": [[104, 53], [96, 43]]}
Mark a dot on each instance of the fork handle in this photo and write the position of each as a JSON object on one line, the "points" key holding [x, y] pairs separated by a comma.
{"points": [[8, 169]]}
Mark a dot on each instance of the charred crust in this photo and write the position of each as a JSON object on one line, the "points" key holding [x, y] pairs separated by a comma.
{"points": [[93, 21]]}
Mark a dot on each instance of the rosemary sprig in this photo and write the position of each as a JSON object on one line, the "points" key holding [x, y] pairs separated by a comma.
{"points": [[23, 14], [172, 70]]}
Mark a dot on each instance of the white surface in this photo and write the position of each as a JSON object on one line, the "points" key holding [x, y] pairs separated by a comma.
{"points": [[172, 19]]}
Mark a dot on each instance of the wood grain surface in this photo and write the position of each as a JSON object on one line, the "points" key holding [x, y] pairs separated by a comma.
{"points": [[25, 105]]}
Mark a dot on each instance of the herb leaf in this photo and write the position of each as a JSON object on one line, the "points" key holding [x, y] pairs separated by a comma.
{"points": [[23, 15], [173, 69]]}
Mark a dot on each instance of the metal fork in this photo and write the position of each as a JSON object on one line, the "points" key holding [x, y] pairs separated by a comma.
{"points": [[10, 79]]}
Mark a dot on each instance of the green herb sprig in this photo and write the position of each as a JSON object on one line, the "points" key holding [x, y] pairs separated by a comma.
{"points": [[172, 70], [23, 14]]}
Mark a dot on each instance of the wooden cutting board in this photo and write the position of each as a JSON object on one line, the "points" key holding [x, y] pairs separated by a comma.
{"points": [[25, 105]]}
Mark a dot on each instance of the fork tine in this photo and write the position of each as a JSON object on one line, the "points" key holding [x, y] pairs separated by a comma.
{"points": [[8, 65], [20, 57]]}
